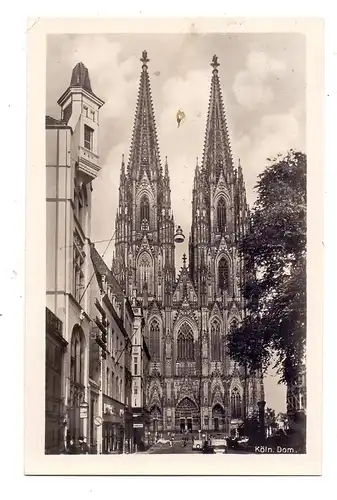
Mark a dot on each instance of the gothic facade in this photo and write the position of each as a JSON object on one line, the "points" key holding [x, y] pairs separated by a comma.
{"points": [[192, 384]]}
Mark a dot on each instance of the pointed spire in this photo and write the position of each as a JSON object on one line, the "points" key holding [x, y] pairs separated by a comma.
{"points": [[196, 175], [239, 169], [80, 77], [122, 167], [144, 151], [215, 64], [166, 168], [144, 59], [217, 150]]}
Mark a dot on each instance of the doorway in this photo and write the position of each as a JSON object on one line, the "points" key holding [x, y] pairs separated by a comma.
{"points": [[189, 425], [216, 424], [182, 425]]}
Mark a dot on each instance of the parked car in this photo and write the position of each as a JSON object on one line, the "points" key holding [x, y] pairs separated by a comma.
{"points": [[207, 448], [197, 444], [219, 444]]}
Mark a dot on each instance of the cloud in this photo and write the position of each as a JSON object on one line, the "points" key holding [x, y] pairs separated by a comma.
{"points": [[253, 86], [274, 134]]}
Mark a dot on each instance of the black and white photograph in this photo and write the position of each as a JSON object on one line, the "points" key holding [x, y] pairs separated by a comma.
{"points": [[176, 243]]}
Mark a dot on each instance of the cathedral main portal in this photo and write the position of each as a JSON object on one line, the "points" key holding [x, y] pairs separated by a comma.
{"points": [[187, 416]]}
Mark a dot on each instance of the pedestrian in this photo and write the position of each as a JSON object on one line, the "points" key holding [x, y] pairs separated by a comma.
{"points": [[72, 448], [83, 445]]}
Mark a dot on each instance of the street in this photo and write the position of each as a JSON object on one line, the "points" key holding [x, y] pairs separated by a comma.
{"points": [[177, 448]]}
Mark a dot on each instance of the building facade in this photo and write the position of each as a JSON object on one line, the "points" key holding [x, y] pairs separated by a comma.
{"points": [[192, 384], [56, 346], [110, 362], [72, 163], [140, 371]]}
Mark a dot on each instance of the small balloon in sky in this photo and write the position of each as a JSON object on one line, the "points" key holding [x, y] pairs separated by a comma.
{"points": [[180, 117]]}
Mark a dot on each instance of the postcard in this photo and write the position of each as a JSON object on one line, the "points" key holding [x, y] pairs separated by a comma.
{"points": [[174, 264]]}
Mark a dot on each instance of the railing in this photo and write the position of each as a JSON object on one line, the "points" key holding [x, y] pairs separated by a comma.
{"points": [[88, 155]]}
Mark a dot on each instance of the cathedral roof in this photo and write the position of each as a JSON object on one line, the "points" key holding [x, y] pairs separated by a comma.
{"points": [[217, 149], [144, 151]]}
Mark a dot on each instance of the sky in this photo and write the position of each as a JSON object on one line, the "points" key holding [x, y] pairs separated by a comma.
{"points": [[263, 85]]}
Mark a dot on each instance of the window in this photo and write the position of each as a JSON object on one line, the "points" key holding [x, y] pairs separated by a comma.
{"points": [[112, 384], [92, 114], [117, 387], [154, 341], [88, 137], [215, 341], [86, 111], [236, 403], [135, 361], [221, 215], [136, 390], [78, 274], [144, 209], [145, 271], [223, 275], [185, 343], [77, 358], [107, 382], [80, 203]]}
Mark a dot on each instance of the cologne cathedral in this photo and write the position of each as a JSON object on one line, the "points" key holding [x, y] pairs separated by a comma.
{"points": [[192, 383]]}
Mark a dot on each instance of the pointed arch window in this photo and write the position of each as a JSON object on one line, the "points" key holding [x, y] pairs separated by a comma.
{"points": [[145, 271], [236, 405], [154, 341], [221, 215], [223, 275], [185, 343], [77, 357], [215, 341], [144, 209]]}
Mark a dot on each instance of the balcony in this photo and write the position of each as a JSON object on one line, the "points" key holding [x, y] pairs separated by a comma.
{"points": [[88, 164]]}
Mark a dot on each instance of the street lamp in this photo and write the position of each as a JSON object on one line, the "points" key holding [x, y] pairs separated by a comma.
{"points": [[179, 236]]}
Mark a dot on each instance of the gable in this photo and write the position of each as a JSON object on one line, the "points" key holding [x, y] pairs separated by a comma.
{"points": [[184, 289]]}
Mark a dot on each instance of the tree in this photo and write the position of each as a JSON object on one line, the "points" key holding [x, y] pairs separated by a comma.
{"points": [[274, 255]]}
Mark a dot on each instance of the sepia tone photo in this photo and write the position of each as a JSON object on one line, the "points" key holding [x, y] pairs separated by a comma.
{"points": [[176, 243]]}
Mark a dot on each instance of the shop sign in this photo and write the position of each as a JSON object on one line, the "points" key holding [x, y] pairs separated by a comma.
{"points": [[109, 409], [138, 426], [84, 410]]}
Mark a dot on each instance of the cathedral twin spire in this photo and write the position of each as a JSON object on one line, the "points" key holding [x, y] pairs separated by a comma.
{"points": [[145, 174], [144, 152], [217, 155]]}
